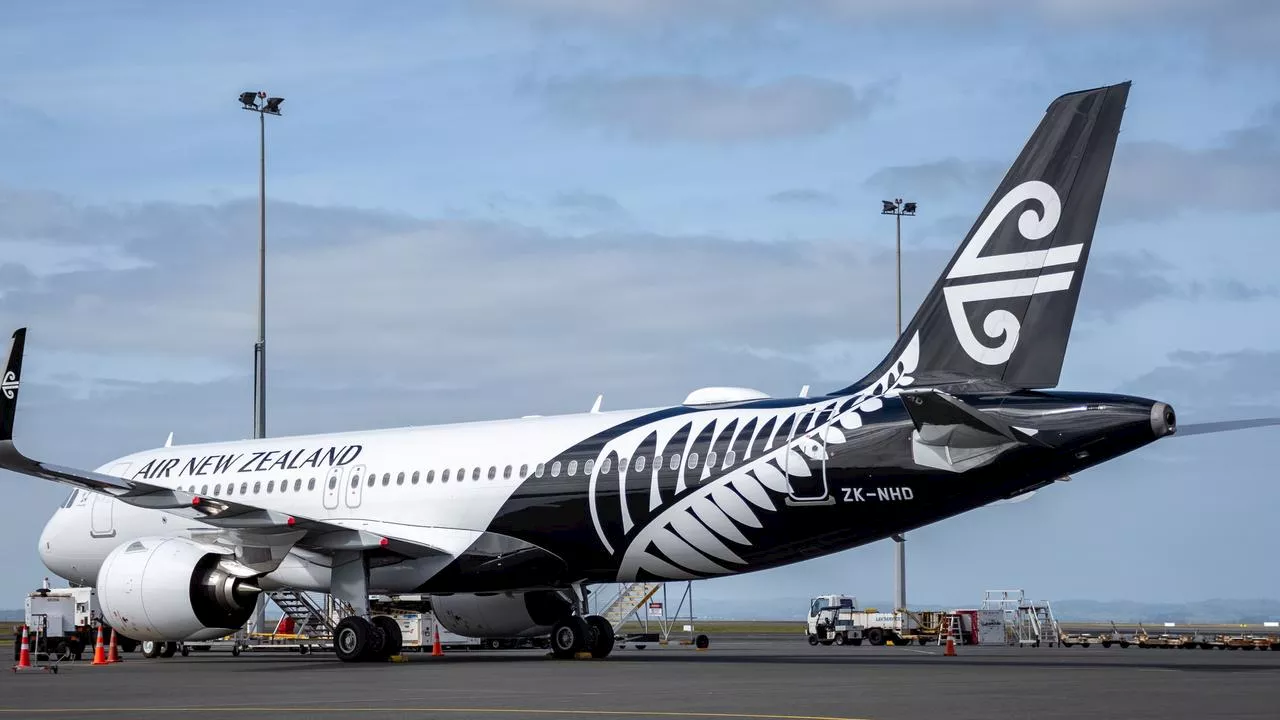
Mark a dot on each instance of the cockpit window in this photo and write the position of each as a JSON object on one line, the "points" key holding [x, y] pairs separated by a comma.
{"points": [[70, 498]]}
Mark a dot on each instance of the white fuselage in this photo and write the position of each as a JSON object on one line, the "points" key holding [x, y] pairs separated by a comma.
{"points": [[443, 478]]}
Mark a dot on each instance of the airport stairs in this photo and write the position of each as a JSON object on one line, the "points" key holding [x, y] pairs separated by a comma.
{"points": [[1037, 625], [630, 599], [309, 618]]}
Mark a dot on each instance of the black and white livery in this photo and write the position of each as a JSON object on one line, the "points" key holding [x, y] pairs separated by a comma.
{"points": [[504, 523]]}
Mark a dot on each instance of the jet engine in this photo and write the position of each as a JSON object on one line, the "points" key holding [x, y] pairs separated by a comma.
{"points": [[171, 589], [500, 615]]}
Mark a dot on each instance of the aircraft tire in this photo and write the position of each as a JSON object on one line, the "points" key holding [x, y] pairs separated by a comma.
{"points": [[150, 648], [568, 636], [600, 636], [351, 639], [168, 649], [394, 638]]}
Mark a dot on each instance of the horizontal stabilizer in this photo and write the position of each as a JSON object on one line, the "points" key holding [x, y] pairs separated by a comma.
{"points": [[951, 435]]}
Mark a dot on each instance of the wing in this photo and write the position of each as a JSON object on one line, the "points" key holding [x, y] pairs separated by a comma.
{"points": [[246, 529]]}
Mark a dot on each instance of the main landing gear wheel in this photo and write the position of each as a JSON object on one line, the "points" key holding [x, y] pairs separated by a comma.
{"points": [[352, 638], [394, 638], [151, 648], [600, 637], [568, 636], [168, 649]]}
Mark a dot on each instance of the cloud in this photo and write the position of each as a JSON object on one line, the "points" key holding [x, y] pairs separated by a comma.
{"points": [[588, 203], [803, 196], [1242, 382], [938, 179], [464, 303], [693, 108], [1148, 180], [1241, 173]]}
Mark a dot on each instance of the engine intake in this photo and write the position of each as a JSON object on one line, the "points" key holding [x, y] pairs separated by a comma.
{"points": [[171, 589]]}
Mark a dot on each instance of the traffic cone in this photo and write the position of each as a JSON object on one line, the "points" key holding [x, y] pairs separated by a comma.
{"points": [[436, 650], [113, 654], [24, 654], [99, 652], [951, 647]]}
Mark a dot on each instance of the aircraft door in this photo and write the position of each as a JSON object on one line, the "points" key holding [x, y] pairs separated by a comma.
{"points": [[806, 485], [355, 486], [102, 510], [102, 524], [332, 488]]}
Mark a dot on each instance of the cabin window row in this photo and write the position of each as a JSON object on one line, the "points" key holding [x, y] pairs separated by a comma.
{"points": [[570, 469]]}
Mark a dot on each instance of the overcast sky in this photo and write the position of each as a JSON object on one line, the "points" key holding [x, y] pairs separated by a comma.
{"points": [[484, 210]]}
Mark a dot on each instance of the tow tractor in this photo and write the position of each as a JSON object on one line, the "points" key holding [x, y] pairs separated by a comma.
{"points": [[831, 621]]}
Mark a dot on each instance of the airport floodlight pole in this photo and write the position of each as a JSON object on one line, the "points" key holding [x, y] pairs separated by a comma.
{"points": [[270, 106], [898, 208]]}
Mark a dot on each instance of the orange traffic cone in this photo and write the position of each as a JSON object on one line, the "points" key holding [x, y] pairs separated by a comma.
{"points": [[113, 654], [436, 649], [24, 653], [951, 647], [99, 652]]}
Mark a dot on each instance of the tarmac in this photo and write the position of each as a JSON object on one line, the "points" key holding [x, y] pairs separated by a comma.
{"points": [[770, 677]]}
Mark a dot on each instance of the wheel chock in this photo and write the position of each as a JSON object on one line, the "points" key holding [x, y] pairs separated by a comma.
{"points": [[582, 655], [398, 658]]}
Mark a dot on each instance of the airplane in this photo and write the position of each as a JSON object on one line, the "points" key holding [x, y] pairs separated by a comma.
{"points": [[505, 523]]}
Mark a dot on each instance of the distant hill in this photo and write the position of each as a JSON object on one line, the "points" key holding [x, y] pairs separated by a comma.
{"points": [[11, 615]]}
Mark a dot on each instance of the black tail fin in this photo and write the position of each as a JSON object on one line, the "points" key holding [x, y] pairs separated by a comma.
{"points": [[9, 384], [1002, 310]]}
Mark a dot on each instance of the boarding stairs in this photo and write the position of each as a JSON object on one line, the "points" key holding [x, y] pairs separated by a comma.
{"points": [[1036, 625], [630, 600], [309, 619], [950, 629]]}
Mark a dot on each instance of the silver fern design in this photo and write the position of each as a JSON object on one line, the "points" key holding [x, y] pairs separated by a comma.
{"points": [[695, 517]]}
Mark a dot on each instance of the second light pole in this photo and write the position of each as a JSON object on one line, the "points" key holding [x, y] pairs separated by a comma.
{"points": [[899, 208], [271, 106]]}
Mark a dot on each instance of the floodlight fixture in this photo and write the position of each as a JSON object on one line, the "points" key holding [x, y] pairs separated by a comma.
{"points": [[889, 207], [249, 100], [273, 105]]}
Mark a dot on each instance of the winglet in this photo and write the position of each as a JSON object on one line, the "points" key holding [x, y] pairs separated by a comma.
{"points": [[596, 407], [9, 384]]}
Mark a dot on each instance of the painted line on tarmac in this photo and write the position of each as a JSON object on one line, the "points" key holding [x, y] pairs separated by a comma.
{"points": [[471, 711]]}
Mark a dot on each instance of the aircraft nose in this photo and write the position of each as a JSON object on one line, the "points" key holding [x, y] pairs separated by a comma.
{"points": [[1163, 420], [51, 550]]}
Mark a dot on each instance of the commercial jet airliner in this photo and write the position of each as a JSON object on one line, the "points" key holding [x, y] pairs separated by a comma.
{"points": [[505, 523]]}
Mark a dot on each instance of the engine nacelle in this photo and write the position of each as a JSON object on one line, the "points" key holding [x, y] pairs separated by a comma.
{"points": [[171, 589], [500, 615]]}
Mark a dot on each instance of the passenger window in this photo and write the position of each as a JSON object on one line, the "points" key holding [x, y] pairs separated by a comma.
{"points": [[231, 488], [354, 481], [524, 470], [204, 489], [639, 463], [711, 459], [573, 467], [217, 489], [311, 484], [399, 478], [373, 478], [244, 488], [297, 485], [606, 465], [538, 471], [256, 487], [730, 458], [675, 461], [386, 479], [475, 473], [462, 474], [415, 477], [271, 485], [506, 473], [333, 483], [555, 469], [431, 475], [444, 476], [493, 472], [693, 461], [586, 468]]}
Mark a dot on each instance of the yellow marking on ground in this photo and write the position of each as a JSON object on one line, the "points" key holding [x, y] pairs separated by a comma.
{"points": [[474, 711]]}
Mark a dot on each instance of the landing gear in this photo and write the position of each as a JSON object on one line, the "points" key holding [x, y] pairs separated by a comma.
{"points": [[394, 640], [568, 636], [352, 638], [600, 637]]}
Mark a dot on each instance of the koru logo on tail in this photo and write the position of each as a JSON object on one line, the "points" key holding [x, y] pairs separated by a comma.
{"points": [[9, 386], [1032, 226]]}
